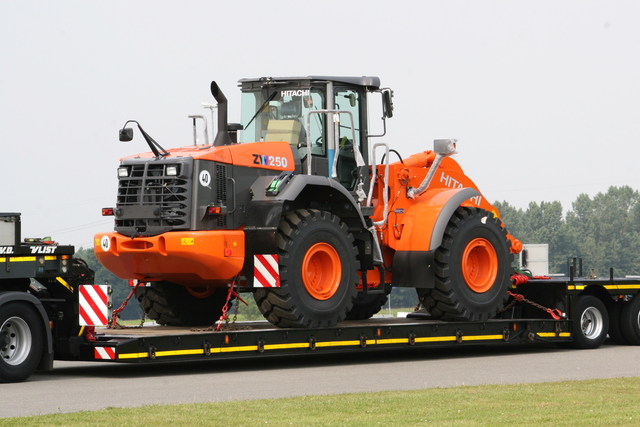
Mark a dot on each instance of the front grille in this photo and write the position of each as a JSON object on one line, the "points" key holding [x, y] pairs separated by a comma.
{"points": [[221, 191], [151, 202]]}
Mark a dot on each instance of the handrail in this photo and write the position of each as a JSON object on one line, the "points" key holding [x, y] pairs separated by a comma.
{"points": [[336, 120]]}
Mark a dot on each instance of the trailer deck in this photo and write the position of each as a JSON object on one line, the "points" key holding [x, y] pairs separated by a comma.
{"points": [[526, 322], [246, 339]]}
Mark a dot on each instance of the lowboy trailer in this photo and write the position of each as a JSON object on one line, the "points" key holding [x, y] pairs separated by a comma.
{"points": [[294, 207], [50, 308]]}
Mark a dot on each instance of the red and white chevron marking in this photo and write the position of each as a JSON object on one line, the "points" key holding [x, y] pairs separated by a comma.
{"points": [[104, 353], [265, 271], [95, 302]]}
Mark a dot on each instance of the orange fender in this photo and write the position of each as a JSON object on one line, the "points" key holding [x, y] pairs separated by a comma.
{"points": [[425, 220]]}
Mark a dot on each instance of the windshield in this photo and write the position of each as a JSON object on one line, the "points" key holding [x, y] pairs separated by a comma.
{"points": [[280, 114]]}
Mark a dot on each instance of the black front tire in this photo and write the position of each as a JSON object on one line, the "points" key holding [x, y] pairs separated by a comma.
{"points": [[172, 305], [318, 272], [591, 323], [21, 341]]}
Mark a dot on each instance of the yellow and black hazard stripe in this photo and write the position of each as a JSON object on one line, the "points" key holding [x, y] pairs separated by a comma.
{"points": [[614, 287], [263, 347]]}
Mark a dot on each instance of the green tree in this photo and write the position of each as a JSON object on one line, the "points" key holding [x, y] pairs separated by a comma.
{"points": [[512, 218], [540, 223], [544, 223], [606, 231]]}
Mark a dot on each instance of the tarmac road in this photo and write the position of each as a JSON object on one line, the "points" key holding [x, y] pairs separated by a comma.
{"points": [[77, 386]]}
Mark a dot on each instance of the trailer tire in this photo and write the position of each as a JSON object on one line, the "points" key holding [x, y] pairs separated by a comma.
{"points": [[630, 320], [590, 324], [366, 305], [318, 272], [21, 341], [173, 305], [472, 268], [615, 323]]}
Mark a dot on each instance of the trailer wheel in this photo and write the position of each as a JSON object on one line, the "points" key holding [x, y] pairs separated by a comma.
{"points": [[366, 305], [615, 323], [21, 341], [318, 272], [174, 305], [472, 268], [591, 323], [630, 320]]}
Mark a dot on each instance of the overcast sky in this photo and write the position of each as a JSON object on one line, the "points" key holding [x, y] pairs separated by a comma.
{"points": [[543, 96]]}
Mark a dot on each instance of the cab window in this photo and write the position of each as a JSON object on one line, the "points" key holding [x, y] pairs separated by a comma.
{"points": [[280, 114], [347, 100]]}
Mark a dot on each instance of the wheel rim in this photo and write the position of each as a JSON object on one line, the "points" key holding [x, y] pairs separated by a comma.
{"points": [[321, 271], [591, 323], [17, 341], [202, 292], [479, 265]]}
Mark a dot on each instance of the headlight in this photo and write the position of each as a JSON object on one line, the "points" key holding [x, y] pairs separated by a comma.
{"points": [[123, 172], [172, 170]]}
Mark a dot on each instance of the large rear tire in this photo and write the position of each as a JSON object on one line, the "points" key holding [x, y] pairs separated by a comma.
{"points": [[630, 320], [591, 323], [472, 268], [174, 305], [615, 323], [21, 341], [318, 272]]}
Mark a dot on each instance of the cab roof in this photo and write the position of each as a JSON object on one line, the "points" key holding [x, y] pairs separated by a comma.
{"points": [[370, 82]]}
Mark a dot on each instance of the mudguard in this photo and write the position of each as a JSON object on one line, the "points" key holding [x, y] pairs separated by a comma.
{"points": [[423, 228], [292, 190], [265, 211], [46, 361]]}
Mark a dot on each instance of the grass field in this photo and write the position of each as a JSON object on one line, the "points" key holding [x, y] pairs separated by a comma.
{"points": [[610, 402]]}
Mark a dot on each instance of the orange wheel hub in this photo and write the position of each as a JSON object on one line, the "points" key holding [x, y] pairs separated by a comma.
{"points": [[321, 271], [479, 265], [202, 292]]}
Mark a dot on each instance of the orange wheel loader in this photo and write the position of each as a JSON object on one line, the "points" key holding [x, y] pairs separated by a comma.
{"points": [[302, 207]]}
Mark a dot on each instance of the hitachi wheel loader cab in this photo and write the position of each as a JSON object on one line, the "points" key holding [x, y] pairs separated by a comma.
{"points": [[292, 206]]}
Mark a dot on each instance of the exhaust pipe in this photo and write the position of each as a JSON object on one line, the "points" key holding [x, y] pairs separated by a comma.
{"points": [[443, 148], [222, 136]]}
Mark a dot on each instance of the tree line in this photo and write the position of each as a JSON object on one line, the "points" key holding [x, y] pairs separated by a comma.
{"points": [[604, 231]]}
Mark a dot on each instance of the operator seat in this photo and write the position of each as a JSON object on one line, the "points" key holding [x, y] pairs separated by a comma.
{"points": [[284, 130]]}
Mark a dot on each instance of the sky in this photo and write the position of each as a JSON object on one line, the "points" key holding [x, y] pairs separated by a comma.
{"points": [[543, 96]]}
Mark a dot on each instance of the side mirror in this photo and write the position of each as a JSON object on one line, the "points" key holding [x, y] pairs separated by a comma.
{"points": [[387, 103], [125, 134], [352, 100]]}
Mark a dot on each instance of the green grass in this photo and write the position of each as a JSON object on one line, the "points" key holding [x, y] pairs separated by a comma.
{"points": [[611, 402]]}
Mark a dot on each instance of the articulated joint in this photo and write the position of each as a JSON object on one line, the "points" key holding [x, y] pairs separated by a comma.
{"points": [[443, 148]]}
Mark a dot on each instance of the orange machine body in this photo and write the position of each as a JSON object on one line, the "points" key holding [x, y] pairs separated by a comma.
{"points": [[264, 155], [410, 223], [191, 258]]}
